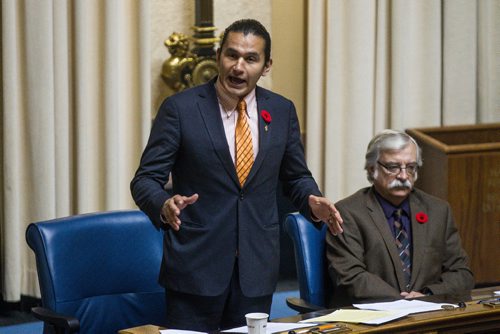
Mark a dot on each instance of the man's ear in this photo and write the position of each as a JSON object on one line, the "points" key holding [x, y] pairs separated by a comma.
{"points": [[217, 55], [371, 170], [267, 67]]}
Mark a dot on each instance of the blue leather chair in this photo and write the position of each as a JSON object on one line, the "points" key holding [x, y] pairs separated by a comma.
{"points": [[98, 272], [315, 287]]}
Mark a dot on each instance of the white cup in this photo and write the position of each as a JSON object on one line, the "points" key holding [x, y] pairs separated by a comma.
{"points": [[256, 322]]}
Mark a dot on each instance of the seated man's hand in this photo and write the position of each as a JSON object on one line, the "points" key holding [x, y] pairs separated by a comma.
{"points": [[172, 207], [411, 294]]}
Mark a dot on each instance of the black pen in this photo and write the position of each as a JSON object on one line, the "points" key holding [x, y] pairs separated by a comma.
{"points": [[488, 300]]}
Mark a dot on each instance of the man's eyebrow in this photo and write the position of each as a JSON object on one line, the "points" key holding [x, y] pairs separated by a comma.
{"points": [[252, 53], [255, 54]]}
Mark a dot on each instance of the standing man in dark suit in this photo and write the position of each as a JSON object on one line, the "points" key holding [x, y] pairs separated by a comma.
{"points": [[398, 241], [221, 244]]}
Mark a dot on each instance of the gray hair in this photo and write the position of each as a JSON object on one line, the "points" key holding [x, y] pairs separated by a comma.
{"points": [[388, 140]]}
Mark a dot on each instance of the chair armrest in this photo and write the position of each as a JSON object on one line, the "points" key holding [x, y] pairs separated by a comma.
{"points": [[61, 323], [301, 306]]}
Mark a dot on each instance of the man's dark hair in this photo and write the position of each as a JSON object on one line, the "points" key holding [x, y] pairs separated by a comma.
{"points": [[250, 26]]}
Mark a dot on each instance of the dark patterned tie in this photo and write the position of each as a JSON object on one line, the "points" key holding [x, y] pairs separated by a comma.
{"points": [[244, 147], [403, 244]]}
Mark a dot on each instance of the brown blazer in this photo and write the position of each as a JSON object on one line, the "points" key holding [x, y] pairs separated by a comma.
{"points": [[364, 263]]}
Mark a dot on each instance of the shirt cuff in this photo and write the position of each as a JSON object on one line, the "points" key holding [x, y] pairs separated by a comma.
{"points": [[426, 291], [313, 217]]}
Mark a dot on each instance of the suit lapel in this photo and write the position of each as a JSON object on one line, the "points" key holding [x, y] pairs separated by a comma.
{"points": [[264, 134], [208, 107], [418, 236], [378, 217]]}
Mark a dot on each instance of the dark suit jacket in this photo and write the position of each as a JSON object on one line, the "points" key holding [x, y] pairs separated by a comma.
{"points": [[364, 260], [188, 140]]}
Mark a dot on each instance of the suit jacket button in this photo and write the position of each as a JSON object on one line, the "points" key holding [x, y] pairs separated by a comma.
{"points": [[241, 195]]}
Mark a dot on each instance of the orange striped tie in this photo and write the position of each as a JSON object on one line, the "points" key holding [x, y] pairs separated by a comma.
{"points": [[244, 147]]}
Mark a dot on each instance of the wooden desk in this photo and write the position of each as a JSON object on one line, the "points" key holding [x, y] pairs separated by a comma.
{"points": [[145, 329], [484, 293], [474, 318]]}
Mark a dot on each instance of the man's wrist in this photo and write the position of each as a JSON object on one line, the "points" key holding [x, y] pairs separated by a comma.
{"points": [[426, 291], [314, 218]]}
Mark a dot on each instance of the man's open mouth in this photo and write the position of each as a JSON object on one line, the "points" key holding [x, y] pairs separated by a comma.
{"points": [[236, 81]]}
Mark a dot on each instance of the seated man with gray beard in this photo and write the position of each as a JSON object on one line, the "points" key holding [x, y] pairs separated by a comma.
{"points": [[398, 241]]}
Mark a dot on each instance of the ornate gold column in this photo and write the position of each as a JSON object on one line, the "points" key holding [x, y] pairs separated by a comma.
{"points": [[190, 67]]}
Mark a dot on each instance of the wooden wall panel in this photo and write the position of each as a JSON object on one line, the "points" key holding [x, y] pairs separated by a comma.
{"points": [[462, 166]]}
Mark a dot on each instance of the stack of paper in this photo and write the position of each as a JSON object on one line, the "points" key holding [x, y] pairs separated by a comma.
{"points": [[379, 313], [409, 306], [368, 317]]}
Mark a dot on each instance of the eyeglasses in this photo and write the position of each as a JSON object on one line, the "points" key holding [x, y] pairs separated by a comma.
{"points": [[394, 169]]}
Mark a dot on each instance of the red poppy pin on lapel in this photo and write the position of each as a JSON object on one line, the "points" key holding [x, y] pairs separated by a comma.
{"points": [[421, 217], [266, 116]]}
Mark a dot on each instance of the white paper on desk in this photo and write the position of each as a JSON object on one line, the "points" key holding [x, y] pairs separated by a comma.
{"points": [[409, 306], [272, 327], [368, 317]]}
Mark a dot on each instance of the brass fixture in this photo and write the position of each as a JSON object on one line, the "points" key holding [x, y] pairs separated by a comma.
{"points": [[190, 67]]}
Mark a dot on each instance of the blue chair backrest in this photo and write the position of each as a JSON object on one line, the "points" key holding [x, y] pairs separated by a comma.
{"points": [[101, 268], [310, 259]]}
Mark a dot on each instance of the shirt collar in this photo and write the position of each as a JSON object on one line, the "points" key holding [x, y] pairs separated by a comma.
{"points": [[389, 208]]}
